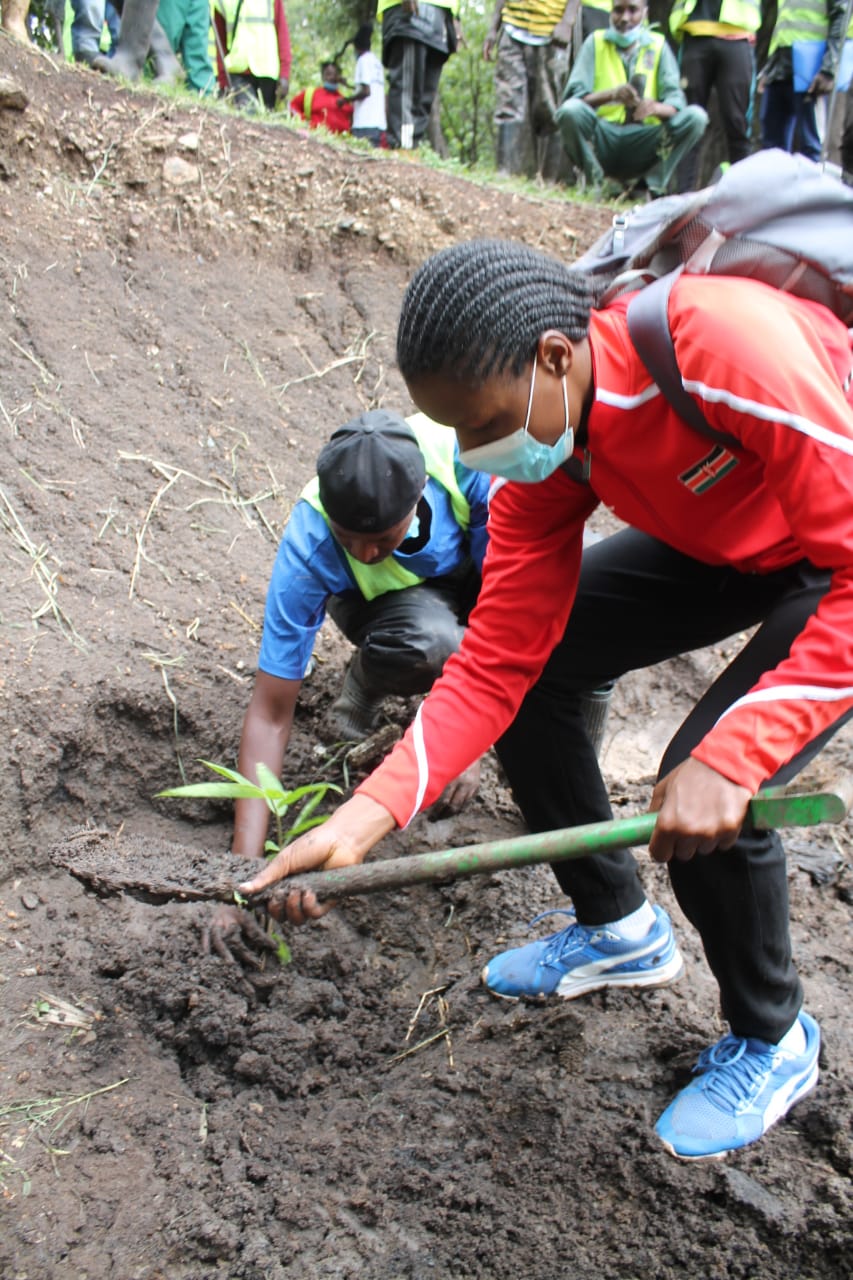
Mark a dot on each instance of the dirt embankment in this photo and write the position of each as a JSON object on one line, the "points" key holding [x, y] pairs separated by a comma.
{"points": [[192, 302]]}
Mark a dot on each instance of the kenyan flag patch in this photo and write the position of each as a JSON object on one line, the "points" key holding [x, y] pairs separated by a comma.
{"points": [[705, 474]]}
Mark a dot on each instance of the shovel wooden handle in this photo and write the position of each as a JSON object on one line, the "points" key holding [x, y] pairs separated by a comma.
{"points": [[771, 808]]}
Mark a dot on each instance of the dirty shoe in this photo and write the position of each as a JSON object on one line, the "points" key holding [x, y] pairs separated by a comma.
{"points": [[354, 713], [742, 1087], [583, 958]]}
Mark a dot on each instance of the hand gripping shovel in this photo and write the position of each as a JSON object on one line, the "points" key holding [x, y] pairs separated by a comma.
{"points": [[771, 808], [156, 871]]}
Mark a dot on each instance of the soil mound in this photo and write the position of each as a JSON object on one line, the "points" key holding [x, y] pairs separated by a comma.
{"points": [[192, 303]]}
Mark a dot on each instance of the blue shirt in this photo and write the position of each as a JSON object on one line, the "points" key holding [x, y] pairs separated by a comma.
{"points": [[311, 566]]}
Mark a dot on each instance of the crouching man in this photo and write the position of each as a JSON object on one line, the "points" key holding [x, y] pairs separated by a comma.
{"points": [[388, 538], [623, 114]]}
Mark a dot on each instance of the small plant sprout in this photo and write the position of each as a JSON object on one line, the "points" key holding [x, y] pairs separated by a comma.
{"points": [[269, 789], [305, 799]]}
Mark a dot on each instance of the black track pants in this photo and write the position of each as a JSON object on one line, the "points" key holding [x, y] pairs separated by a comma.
{"points": [[640, 602], [405, 637]]}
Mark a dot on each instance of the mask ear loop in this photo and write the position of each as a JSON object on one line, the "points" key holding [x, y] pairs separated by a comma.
{"points": [[567, 425], [530, 397]]}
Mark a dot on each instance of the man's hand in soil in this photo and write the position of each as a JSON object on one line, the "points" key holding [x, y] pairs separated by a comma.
{"points": [[698, 811], [457, 793], [237, 937], [347, 838]]}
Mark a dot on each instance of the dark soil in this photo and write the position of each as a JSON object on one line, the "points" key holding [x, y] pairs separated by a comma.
{"points": [[178, 340]]}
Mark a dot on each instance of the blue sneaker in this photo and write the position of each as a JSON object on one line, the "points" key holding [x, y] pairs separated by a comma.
{"points": [[583, 958], [742, 1087]]}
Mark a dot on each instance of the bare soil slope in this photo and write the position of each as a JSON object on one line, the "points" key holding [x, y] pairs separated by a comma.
{"points": [[192, 302]]}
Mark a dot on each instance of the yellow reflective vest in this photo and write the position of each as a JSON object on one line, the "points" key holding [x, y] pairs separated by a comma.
{"points": [[252, 39], [437, 444], [610, 73], [743, 14], [803, 21], [452, 5]]}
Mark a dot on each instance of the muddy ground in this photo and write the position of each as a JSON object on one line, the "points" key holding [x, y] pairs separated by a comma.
{"points": [[191, 303]]}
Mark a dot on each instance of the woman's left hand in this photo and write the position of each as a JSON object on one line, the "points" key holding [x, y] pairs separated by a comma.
{"points": [[698, 811]]}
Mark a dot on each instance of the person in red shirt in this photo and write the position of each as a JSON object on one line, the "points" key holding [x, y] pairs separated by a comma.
{"points": [[323, 106], [548, 394]]}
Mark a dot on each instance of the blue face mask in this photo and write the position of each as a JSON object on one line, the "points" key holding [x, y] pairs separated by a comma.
{"points": [[331, 86], [624, 39], [520, 456]]}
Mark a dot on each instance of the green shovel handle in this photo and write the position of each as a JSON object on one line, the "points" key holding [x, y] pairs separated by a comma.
{"points": [[771, 808]]}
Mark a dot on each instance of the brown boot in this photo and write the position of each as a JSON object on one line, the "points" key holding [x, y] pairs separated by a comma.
{"points": [[15, 18]]}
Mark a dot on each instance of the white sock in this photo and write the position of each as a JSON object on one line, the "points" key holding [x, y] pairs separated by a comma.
{"points": [[794, 1041], [634, 926]]}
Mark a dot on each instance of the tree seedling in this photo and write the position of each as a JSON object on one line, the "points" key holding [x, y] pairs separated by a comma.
{"points": [[268, 788]]}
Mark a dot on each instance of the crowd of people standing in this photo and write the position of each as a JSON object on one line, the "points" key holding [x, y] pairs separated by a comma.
{"points": [[586, 91]]}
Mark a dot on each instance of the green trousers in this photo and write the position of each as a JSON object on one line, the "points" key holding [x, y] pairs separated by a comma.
{"points": [[602, 149]]}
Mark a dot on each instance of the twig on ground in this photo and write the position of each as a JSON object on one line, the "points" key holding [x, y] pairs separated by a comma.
{"points": [[100, 169], [161, 661], [47, 1115], [350, 356], [435, 993], [91, 370], [251, 621], [62, 1013], [140, 535], [45, 374], [253, 363], [422, 1044], [46, 579], [12, 424]]}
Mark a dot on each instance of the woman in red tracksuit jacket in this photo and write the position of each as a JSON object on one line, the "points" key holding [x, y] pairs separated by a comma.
{"points": [[503, 345]]}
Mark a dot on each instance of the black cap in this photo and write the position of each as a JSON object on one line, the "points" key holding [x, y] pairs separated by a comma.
{"points": [[371, 472], [363, 36]]}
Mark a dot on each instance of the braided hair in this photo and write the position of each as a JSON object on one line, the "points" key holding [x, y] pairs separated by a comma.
{"points": [[480, 307]]}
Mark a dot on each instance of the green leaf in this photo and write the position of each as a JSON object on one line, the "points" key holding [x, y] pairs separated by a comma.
{"points": [[282, 950], [300, 826], [217, 791], [231, 774]]}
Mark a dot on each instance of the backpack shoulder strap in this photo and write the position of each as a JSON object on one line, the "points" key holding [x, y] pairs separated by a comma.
{"points": [[648, 326]]}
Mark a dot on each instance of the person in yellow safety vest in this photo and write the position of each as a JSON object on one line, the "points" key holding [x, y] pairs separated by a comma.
{"points": [[417, 39], [717, 39], [623, 113], [803, 63], [388, 539], [252, 52]]}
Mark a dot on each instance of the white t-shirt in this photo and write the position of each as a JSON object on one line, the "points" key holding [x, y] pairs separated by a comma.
{"points": [[369, 113]]}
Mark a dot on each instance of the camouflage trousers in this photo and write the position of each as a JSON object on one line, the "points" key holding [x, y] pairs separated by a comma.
{"points": [[529, 82]]}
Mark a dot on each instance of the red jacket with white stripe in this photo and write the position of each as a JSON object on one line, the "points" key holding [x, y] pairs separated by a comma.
{"points": [[765, 368]]}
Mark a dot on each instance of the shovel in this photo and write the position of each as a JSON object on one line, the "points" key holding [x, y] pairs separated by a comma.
{"points": [[156, 871]]}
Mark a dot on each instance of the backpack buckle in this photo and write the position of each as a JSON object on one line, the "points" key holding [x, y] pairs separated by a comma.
{"points": [[620, 227]]}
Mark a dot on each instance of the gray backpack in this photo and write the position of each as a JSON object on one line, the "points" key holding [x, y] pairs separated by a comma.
{"points": [[773, 217]]}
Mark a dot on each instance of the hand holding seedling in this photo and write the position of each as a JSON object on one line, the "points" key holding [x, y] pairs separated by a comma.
{"points": [[344, 839], [234, 934]]}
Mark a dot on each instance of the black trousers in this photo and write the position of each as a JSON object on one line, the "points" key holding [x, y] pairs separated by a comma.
{"points": [[405, 637], [640, 602], [708, 62], [414, 70]]}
